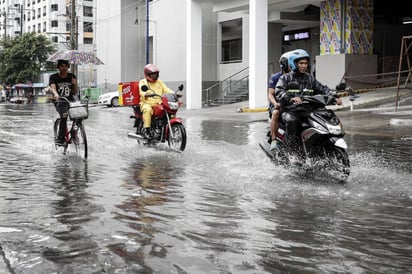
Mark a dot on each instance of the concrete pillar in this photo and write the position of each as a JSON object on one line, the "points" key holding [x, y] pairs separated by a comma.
{"points": [[193, 55], [346, 43], [258, 53]]}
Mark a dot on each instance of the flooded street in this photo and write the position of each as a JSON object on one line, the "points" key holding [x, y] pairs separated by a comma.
{"points": [[221, 206]]}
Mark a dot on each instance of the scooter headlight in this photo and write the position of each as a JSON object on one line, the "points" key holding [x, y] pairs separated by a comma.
{"points": [[335, 130], [173, 105], [319, 127]]}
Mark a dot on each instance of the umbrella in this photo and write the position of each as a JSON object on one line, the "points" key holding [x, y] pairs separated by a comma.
{"points": [[76, 57]]}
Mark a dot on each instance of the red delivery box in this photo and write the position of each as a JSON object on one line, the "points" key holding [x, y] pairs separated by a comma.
{"points": [[129, 93]]}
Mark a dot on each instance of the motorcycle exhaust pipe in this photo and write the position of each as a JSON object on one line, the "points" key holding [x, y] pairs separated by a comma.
{"points": [[134, 135]]}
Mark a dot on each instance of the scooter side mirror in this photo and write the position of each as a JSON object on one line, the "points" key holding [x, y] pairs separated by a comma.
{"points": [[341, 86], [180, 88], [144, 88]]}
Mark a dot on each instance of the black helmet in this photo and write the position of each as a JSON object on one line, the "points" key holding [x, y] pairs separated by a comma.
{"points": [[62, 62]]}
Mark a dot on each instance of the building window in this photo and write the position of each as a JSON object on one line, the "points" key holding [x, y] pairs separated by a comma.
{"points": [[55, 39], [87, 11], [54, 7], [54, 23], [88, 41], [231, 41], [88, 27]]}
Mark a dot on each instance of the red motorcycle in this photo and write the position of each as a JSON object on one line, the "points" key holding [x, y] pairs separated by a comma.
{"points": [[165, 124]]}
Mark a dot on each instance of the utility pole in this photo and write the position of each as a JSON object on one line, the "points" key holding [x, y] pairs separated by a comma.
{"points": [[147, 32], [21, 19], [5, 25], [20, 9], [73, 32]]}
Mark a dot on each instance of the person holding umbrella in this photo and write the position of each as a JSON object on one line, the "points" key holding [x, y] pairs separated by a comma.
{"points": [[63, 84]]}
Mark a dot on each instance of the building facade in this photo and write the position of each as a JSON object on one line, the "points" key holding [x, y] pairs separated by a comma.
{"points": [[53, 19]]}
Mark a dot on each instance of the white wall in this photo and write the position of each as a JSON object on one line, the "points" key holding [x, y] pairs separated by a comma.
{"points": [[108, 41], [209, 40], [131, 59], [170, 39], [331, 68]]}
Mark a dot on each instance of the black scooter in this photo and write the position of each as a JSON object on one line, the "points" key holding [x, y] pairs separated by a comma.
{"points": [[320, 136]]}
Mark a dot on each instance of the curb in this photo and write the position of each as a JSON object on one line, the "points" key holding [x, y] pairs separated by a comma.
{"points": [[246, 109], [400, 122]]}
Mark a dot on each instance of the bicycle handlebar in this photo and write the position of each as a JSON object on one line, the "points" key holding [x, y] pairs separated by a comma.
{"points": [[63, 99], [83, 102]]}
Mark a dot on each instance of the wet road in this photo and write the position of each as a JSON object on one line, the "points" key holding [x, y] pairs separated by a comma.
{"points": [[220, 206]]}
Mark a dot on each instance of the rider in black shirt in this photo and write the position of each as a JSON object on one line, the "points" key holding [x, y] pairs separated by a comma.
{"points": [[289, 98], [63, 84]]}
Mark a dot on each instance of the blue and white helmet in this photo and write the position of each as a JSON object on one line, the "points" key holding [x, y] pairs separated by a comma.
{"points": [[296, 55]]}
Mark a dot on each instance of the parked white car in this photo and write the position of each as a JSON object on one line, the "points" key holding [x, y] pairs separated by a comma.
{"points": [[110, 99]]}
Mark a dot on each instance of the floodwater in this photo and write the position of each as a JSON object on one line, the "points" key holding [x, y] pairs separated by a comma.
{"points": [[221, 206]]}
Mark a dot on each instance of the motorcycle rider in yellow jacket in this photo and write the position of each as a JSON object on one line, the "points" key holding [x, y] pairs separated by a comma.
{"points": [[156, 86]]}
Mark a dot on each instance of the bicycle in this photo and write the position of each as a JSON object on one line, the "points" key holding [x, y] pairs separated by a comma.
{"points": [[75, 135]]}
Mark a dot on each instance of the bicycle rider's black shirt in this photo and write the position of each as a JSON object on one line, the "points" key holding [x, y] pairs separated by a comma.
{"points": [[64, 86]]}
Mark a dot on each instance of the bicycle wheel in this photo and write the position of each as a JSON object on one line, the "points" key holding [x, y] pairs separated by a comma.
{"points": [[56, 134], [56, 128], [177, 137], [79, 139]]}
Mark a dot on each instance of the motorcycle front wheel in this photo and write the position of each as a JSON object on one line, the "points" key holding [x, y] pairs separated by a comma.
{"points": [[177, 137], [338, 162]]}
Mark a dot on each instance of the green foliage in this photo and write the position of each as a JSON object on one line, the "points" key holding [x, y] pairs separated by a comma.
{"points": [[22, 58]]}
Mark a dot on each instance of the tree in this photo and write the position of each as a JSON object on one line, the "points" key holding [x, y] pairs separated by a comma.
{"points": [[22, 58]]}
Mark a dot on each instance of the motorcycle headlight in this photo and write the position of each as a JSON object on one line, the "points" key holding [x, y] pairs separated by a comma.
{"points": [[173, 105], [335, 130]]}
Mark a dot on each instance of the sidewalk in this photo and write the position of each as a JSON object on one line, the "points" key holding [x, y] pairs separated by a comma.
{"points": [[373, 98], [364, 98]]}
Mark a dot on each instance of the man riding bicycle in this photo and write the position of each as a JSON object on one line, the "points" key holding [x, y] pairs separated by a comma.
{"points": [[63, 84]]}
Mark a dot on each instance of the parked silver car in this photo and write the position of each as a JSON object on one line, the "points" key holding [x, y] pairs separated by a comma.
{"points": [[110, 99]]}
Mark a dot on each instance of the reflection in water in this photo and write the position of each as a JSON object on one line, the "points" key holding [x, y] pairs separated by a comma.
{"points": [[217, 130], [72, 244], [219, 207], [151, 181]]}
